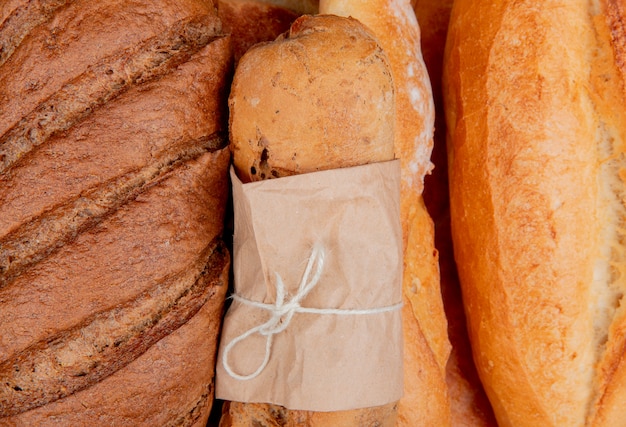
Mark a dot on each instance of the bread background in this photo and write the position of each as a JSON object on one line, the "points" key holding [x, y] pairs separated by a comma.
{"points": [[113, 189], [535, 112]]}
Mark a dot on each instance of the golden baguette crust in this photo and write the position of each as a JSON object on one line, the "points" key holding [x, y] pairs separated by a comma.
{"points": [[536, 130], [469, 405], [427, 348], [320, 97]]}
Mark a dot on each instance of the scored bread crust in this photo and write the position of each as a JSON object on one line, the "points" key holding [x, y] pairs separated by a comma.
{"points": [[113, 190], [536, 133]]}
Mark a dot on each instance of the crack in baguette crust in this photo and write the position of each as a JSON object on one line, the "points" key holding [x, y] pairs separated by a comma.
{"points": [[615, 11], [102, 83], [37, 239], [75, 359], [22, 20], [608, 74]]}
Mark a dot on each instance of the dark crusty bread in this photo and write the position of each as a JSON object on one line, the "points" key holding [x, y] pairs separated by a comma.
{"points": [[536, 112], [300, 7], [252, 21], [113, 189]]}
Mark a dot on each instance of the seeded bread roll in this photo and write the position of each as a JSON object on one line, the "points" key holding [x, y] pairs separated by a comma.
{"points": [[536, 114], [320, 97], [113, 186], [283, 121]]}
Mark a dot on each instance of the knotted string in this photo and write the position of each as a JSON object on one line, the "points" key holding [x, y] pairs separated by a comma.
{"points": [[283, 310]]}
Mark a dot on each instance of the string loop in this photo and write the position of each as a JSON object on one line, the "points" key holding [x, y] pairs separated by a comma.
{"points": [[283, 310]]}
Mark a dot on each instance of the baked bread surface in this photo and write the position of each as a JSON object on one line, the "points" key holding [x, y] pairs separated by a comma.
{"points": [[535, 110], [113, 189], [469, 405], [427, 348]]}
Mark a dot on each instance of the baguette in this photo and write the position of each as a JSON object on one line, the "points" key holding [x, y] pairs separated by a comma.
{"points": [[113, 190], [469, 405], [320, 97], [427, 348], [536, 114]]}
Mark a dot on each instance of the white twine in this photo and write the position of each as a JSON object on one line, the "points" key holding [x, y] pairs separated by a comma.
{"points": [[284, 308]]}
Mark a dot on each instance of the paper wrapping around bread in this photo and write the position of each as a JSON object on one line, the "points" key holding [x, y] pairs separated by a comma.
{"points": [[340, 346], [113, 191], [536, 112], [319, 97]]}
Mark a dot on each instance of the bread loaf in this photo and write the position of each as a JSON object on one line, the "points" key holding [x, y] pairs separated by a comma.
{"points": [[319, 97], [469, 405], [113, 186], [536, 114], [427, 348], [308, 129]]}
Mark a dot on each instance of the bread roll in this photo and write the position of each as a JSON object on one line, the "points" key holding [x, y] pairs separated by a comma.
{"points": [[469, 405], [320, 97], [113, 186], [536, 113], [296, 107], [427, 348]]}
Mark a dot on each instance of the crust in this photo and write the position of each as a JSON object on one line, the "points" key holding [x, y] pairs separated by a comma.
{"points": [[113, 181], [534, 164], [251, 21], [469, 405], [308, 129], [396, 28], [181, 403], [94, 184]]}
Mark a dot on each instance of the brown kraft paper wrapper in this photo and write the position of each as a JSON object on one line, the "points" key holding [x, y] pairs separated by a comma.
{"points": [[343, 225]]}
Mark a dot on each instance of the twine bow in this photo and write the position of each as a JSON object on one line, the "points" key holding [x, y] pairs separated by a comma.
{"points": [[283, 310]]}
